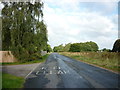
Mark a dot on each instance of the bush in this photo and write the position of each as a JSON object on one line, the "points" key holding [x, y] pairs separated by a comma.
{"points": [[59, 48], [87, 46], [75, 47]]}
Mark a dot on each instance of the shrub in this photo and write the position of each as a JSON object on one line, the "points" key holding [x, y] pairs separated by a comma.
{"points": [[87, 46]]}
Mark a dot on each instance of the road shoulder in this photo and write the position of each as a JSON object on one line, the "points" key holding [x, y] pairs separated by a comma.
{"points": [[19, 70]]}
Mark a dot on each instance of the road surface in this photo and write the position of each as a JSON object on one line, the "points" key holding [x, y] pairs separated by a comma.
{"points": [[63, 72]]}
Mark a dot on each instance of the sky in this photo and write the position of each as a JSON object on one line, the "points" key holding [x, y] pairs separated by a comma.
{"points": [[74, 21]]}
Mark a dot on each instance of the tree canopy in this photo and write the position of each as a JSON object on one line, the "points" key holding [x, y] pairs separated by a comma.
{"points": [[67, 47], [48, 48], [87, 46], [77, 47], [23, 29], [116, 46], [59, 48]]}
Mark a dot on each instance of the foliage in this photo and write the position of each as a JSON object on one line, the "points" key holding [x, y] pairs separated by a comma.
{"points": [[106, 50], [116, 46], [67, 47], [55, 49], [59, 48], [92, 46], [87, 46], [11, 81], [23, 31], [48, 48], [77, 47]]}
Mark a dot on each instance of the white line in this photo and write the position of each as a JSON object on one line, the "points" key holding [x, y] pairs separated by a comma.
{"points": [[80, 76], [37, 72], [31, 72], [55, 57]]}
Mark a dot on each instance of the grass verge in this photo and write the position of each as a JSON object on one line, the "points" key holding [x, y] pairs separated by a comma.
{"points": [[108, 60], [43, 59], [11, 81]]}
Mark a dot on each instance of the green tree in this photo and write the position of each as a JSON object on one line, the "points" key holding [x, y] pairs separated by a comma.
{"points": [[86, 46], [92, 46], [67, 47], [116, 46], [58, 48], [106, 50], [75, 47], [23, 31], [48, 48], [55, 49]]}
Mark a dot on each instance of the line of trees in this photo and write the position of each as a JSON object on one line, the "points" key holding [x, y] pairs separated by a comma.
{"points": [[77, 47], [23, 29], [86, 46]]}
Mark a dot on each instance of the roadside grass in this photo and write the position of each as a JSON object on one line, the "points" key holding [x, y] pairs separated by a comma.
{"points": [[43, 59], [11, 81], [108, 60]]}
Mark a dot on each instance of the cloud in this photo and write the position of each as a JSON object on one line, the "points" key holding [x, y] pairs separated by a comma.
{"points": [[66, 26], [81, 21]]}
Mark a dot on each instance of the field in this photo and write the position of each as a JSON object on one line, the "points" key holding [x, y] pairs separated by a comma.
{"points": [[108, 60]]}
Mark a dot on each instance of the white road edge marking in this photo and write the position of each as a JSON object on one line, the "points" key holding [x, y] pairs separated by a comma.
{"points": [[31, 72]]}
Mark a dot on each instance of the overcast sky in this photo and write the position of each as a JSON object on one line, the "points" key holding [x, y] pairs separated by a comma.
{"points": [[70, 21]]}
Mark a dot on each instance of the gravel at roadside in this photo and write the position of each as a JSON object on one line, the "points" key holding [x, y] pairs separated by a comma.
{"points": [[19, 70]]}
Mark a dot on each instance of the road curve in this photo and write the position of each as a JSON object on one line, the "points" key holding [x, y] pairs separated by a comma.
{"points": [[63, 72]]}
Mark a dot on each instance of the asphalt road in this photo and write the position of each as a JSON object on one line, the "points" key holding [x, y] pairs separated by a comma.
{"points": [[63, 72]]}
